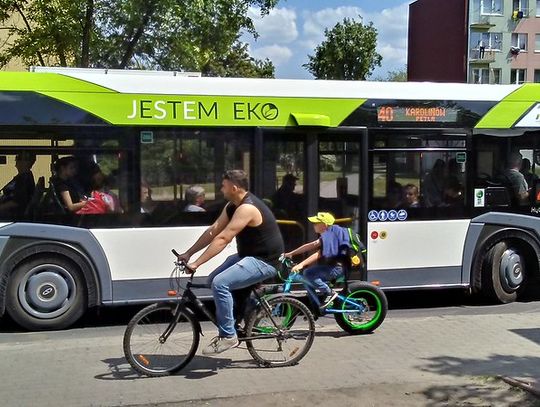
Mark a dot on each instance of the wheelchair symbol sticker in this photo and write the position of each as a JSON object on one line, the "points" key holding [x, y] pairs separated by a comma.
{"points": [[373, 216]]}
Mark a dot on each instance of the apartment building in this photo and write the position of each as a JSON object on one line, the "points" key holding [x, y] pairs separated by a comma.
{"points": [[475, 41]]}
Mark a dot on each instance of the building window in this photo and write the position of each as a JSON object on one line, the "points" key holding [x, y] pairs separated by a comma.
{"points": [[520, 8], [519, 41], [537, 43], [480, 75], [492, 7], [537, 75], [537, 8], [496, 76], [487, 41], [518, 76]]}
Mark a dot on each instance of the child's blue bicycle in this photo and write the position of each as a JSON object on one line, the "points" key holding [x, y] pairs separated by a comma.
{"points": [[360, 308]]}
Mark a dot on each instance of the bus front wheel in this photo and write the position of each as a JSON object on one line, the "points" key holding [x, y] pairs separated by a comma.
{"points": [[503, 272], [45, 293]]}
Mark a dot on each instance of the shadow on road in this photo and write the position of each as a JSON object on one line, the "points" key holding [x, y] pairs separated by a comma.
{"points": [[495, 365], [199, 368], [532, 334]]}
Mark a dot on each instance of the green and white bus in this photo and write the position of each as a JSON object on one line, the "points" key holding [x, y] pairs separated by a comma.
{"points": [[420, 170]]}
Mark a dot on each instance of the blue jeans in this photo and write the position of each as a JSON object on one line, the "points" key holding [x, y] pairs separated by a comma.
{"points": [[319, 274], [235, 273]]}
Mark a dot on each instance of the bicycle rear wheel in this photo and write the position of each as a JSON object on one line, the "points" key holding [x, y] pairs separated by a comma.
{"points": [[284, 338], [364, 309], [155, 346]]}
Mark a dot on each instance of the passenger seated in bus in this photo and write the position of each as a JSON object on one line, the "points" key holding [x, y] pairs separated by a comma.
{"points": [[395, 195], [530, 176], [332, 248], [194, 197], [99, 201], [433, 184], [147, 203], [17, 193], [515, 179], [109, 184], [412, 196], [453, 193], [286, 201], [69, 191]]}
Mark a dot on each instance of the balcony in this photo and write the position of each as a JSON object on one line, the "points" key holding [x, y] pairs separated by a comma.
{"points": [[478, 57], [483, 23]]}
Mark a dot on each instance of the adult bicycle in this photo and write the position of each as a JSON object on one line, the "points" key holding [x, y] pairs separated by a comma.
{"points": [[163, 338], [359, 308]]}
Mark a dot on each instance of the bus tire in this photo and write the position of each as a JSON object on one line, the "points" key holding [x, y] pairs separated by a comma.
{"points": [[503, 274], [45, 293]]}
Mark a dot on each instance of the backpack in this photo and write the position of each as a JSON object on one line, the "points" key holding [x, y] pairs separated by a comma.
{"points": [[358, 250], [96, 205]]}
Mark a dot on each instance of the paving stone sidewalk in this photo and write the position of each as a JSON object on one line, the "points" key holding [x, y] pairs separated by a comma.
{"points": [[428, 360]]}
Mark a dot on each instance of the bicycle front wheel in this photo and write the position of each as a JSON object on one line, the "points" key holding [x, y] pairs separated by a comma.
{"points": [[157, 345], [282, 334]]}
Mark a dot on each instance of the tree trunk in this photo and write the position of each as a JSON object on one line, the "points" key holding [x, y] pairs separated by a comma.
{"points": [[86, 34]]}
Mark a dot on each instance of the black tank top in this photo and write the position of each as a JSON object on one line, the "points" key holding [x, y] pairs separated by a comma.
{"points": [[264, 241]]}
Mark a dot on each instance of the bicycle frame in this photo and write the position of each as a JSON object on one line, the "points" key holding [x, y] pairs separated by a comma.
{"points": [[189, 298], [314, 299]]}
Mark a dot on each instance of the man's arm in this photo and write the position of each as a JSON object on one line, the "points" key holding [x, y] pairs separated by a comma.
{"points": [[243, 215], [207, 236]]}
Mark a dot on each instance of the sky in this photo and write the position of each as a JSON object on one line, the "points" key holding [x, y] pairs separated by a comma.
{"points": [[294, 28]]}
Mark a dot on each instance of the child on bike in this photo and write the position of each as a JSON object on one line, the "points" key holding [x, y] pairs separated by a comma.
{"points": [[330, 258]]}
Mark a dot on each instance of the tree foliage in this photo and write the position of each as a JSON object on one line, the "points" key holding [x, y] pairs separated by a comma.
{"points": [[398, 75], [348, 52], [196, 35]]}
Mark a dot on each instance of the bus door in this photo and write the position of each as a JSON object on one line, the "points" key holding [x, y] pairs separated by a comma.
{"points": [[342, 178], [281, 180], [341, 185], [417, 213]]}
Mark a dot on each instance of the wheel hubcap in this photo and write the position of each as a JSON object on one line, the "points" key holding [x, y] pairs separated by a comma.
{"points": [[511, 270], [47, 291]]}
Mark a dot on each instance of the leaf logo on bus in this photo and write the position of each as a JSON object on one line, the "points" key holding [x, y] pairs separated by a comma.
{"points": [[269, 111]]}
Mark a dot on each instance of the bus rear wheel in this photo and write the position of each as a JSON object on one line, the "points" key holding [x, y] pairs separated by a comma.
{"points": [[45, 293], [503, 272]]}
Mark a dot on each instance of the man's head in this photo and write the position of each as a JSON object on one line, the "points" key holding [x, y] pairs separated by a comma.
{"points": [[515, 160], [235, 184], [195, 195], [289, 181], [322, 221], [25, 160]]}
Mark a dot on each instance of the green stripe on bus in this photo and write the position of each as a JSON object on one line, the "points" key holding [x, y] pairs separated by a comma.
{"points": [[191, 110], [46, 82], [506, 113]]}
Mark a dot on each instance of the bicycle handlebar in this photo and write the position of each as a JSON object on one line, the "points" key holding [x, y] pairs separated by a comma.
{"points": [[182, 264]]}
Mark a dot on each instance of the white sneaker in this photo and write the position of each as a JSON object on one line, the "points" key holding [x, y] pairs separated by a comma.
{"points": [[219, 344], [329, 299]]}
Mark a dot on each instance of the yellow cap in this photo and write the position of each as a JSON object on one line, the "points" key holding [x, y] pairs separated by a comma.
{"points": [[323, 217]]}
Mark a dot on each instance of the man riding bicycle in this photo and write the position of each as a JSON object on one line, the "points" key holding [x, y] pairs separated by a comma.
{"points": [[259, 243]]}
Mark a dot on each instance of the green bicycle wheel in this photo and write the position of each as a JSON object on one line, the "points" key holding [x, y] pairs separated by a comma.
{"points": [[371, 305]]}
